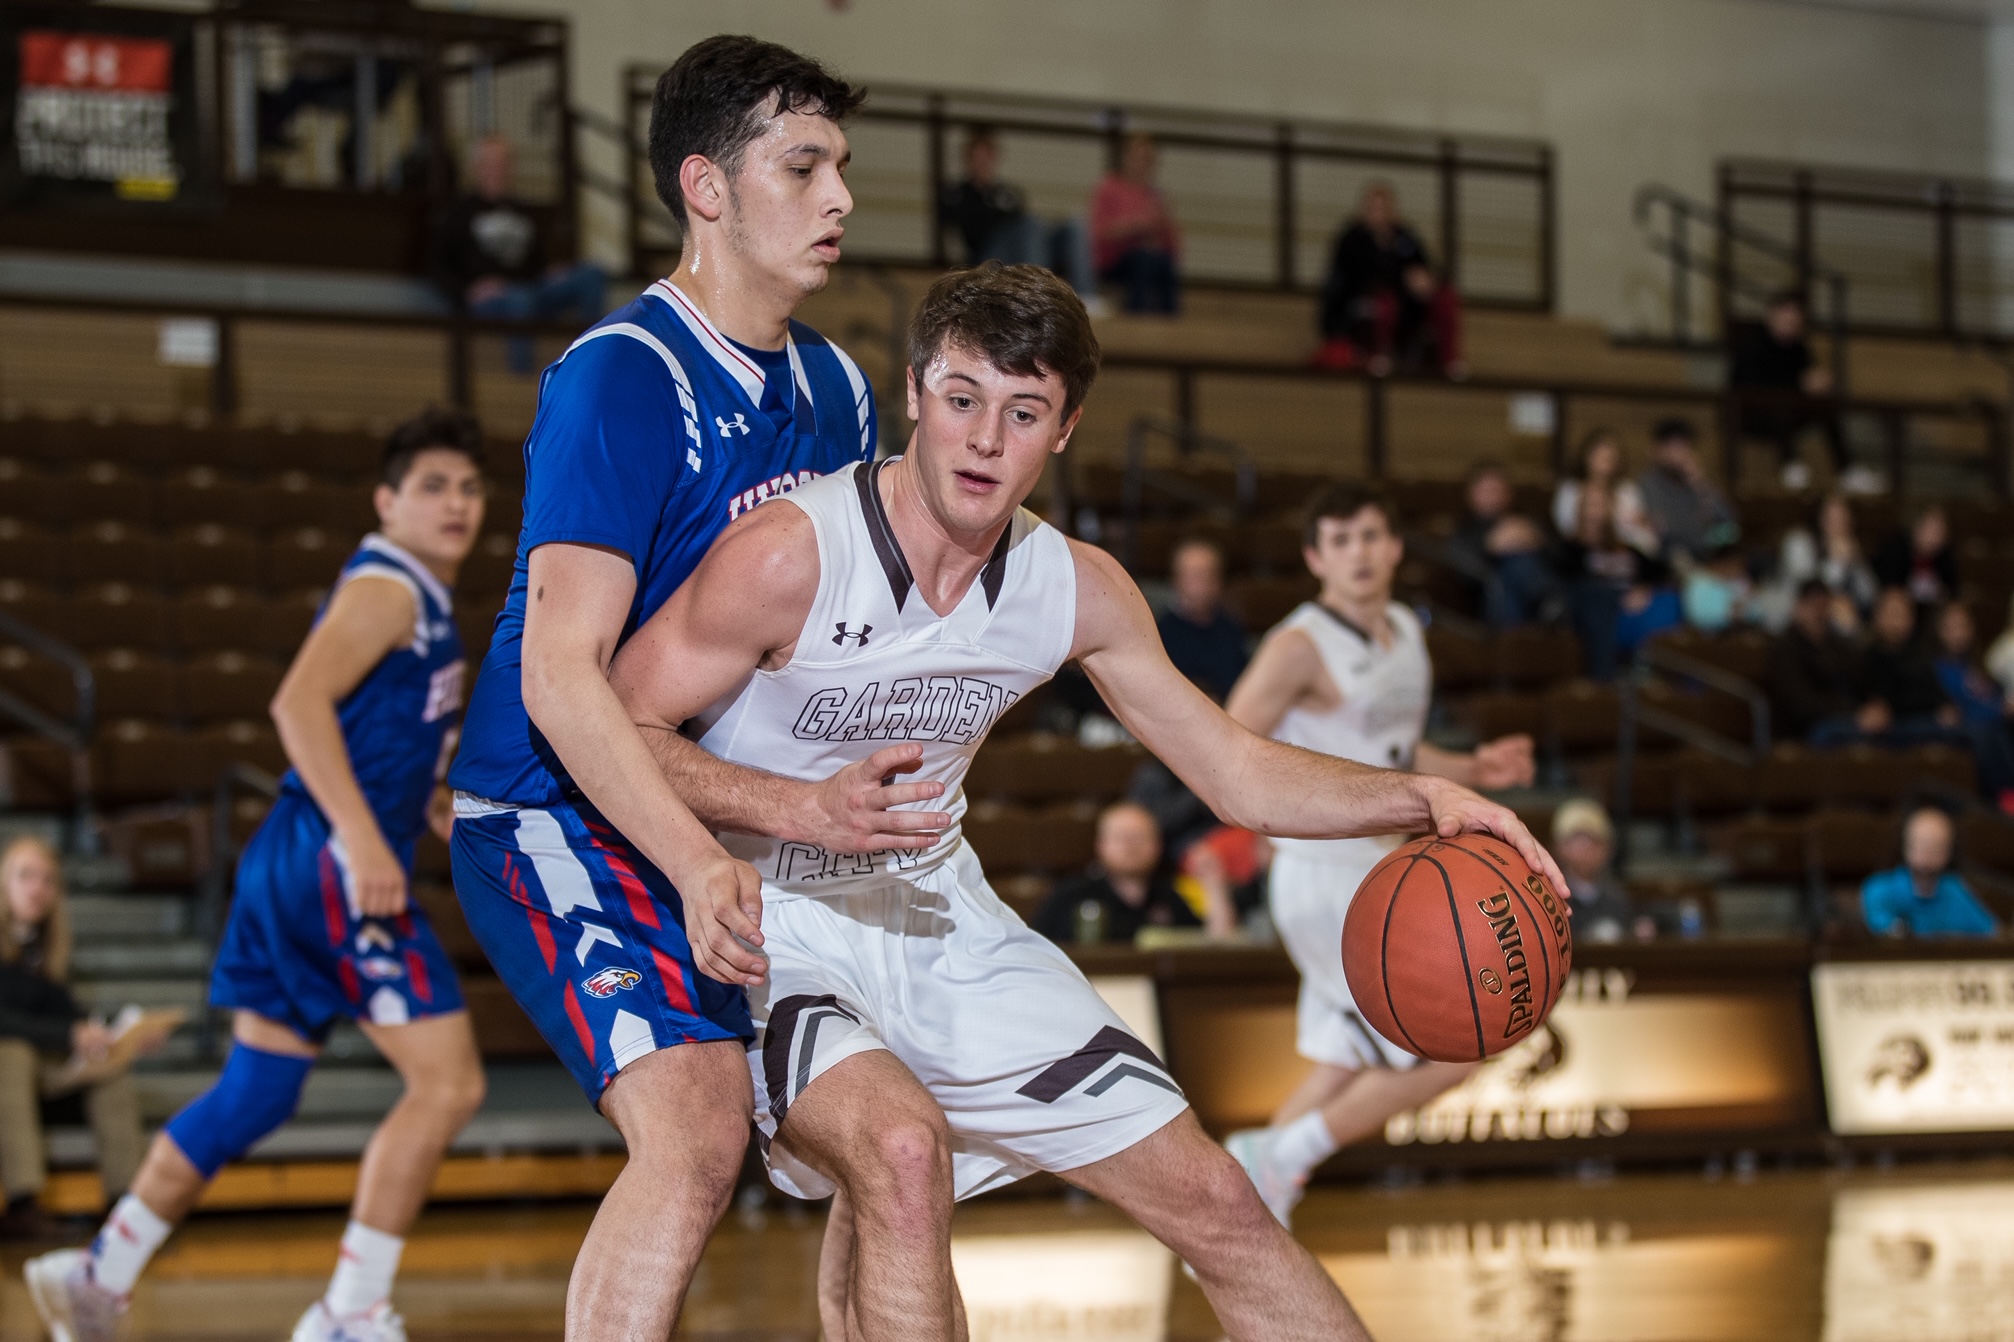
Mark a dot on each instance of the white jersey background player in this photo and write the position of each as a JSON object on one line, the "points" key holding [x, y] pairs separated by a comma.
{"points": [[1346, 674], [914, 1035]]}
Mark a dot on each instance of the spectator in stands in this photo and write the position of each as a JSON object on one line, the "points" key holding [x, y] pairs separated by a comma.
{"points": [[48, 1047], [1919, 558], [1719, 593], [1814, 672], [1616, 594], [1902, 702], [1224, 874], [1774, 360], [1924, 897], [1502, 551], [1382, 305], [2000, 657], [1134, 240], [992, 219], [1829, 550], [1689, 514], [1980, 704], [1598, 466], [1127, 887], [1204, 641], [1583, 840], [491, 260]]}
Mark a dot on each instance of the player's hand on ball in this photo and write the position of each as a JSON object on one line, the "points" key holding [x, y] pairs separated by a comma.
{"points": [[853, 811], [1505, 762], [1456, 810], [723, 919], [377, 877]]}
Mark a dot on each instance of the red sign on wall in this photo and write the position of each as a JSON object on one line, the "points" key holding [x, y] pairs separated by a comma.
{"points": [[95, 61]]}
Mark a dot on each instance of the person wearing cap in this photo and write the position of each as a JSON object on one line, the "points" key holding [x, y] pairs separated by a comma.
{"points": [[1583, 840]]}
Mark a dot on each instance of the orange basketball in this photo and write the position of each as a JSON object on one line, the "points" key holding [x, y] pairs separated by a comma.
{"points": [[1455, 949]]}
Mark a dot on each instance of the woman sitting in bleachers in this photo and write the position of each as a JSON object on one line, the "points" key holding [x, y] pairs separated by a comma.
{"points": [[1598, 466], [1617, 596]]}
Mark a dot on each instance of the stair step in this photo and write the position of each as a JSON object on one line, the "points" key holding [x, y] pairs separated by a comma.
{"points": [[128, 917], [156, 959]]}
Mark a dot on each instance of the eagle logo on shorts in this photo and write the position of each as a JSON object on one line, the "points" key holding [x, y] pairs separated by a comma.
{"points": [[609, 982]]}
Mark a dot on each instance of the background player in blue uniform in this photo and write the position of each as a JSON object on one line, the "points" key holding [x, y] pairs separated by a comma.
{"points": [[669, 418], [321, 928]]}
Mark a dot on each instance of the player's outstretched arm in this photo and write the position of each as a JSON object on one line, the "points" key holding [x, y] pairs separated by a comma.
{"points": [[1246, 779], [1281, 671], [1504, 762], [367, 618], [577, 604]]}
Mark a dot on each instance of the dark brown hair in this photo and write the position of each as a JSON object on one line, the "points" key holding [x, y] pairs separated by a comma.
{"points": [[1340, 502], [1021, 319], [714, 100], [432, 427]]}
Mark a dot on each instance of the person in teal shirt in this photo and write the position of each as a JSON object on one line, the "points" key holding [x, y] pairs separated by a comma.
{"points": [[1923, 897]]}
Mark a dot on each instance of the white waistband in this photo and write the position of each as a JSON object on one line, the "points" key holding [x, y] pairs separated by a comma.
{"points": [[468, 805]]}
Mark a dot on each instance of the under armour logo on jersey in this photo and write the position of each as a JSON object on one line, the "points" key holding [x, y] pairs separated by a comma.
{"points": [[729, 427], [839, 639]]}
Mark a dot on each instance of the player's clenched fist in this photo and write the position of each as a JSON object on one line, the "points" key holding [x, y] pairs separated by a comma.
{"points": [[377, 878], [723, 919]]}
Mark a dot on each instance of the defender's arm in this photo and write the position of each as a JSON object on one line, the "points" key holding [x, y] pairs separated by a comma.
{"points": [[1246, 779], [367, 618]]}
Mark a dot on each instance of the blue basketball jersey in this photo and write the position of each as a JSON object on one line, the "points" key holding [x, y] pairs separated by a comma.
{"points": [[397, 720], [653, 432]]}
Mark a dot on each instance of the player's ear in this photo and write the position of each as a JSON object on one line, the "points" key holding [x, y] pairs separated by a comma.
{"points": [[382, 499], [699, 180], [1069, 427], [909, 386]]}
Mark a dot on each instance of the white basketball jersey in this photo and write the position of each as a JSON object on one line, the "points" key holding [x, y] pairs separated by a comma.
{"points": [[1385, 691], [875, 666]]}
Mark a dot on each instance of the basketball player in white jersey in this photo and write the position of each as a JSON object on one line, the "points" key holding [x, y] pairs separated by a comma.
{"points": [[1346, 674], [913, 1034]]}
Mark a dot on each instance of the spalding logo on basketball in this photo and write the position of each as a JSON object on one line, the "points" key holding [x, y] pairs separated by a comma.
{"points": [[1455, 949]]}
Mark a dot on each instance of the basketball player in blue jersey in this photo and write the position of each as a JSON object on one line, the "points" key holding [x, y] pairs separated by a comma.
{"points": [[321, 927], [660, 425]]}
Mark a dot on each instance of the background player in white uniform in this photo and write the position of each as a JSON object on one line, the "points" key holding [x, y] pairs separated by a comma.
{"points": [[914, 1035], [1346, 674]]}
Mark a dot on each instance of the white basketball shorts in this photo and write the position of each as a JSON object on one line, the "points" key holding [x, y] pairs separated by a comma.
{"points": [[1310, 895], [1032, 1069]]}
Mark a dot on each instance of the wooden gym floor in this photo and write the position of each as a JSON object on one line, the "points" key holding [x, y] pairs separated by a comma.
{"points": [[1916, 1254]]}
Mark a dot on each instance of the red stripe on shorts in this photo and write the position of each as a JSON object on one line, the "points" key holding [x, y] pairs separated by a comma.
{"points": [[335, 909], [579, 1019], [353, 987], [673, 975], [541, 932], [416, 970], [641, 906]]}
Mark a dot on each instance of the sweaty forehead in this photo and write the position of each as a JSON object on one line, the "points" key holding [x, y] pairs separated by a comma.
{"points": [[799, 131], [956, 364]]}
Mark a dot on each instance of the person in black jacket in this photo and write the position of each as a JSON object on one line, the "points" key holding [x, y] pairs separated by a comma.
{"points": [[1126, 889], [1382, 306], [1814, 672], [1773, 358], [1920, 559], [1204, 641]]}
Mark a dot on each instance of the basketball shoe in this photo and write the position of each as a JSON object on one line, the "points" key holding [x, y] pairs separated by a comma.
{"points": [[379, 1323], [1279, 1189], [74, 1308]]}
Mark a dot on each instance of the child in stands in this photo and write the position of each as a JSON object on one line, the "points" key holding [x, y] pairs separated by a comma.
{"points": [[322, 928]]}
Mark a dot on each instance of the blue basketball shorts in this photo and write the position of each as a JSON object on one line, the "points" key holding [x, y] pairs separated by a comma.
{"points": [[588, 936], [295, 950]]}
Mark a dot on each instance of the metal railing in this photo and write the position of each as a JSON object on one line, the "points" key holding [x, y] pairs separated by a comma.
{"points": [[1633, 715], [1260, 200], [73, 735], [1720, 263]]}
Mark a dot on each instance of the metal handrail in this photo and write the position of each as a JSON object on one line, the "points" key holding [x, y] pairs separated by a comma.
{"points": [[74, 735], [1633, 713], [1187, 439], [1727, 231], [1657, 657]]}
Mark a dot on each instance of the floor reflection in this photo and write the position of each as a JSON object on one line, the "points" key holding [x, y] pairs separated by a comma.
{"points": [[1924, 1254]]}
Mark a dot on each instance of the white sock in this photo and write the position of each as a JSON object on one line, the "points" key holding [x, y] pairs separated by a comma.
{"points": [[364, 1272], [125, 1242], [1303, 1144]]}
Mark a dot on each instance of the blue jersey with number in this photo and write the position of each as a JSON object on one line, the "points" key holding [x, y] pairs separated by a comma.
{"points": [[396, 722], [653, 432]]}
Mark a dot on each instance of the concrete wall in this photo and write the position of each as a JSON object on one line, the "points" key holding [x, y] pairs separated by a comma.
{"points": [[1625, 90]]}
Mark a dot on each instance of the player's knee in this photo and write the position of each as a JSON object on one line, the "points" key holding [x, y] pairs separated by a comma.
{"points": [[454, 1094], [911, 1156], [256, 1092]]}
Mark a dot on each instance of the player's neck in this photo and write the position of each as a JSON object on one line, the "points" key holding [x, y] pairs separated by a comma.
{"points": [[945, 563], [446, 571], [1368, 613], [744, 304]]}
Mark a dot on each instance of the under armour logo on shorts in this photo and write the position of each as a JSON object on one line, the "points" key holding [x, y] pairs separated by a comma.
{"points": [[839, 639]]}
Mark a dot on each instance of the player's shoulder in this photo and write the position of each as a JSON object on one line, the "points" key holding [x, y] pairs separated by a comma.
{"points": [[636, 341], [772, 548]]}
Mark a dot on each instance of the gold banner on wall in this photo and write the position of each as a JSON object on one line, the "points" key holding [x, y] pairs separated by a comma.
{"points": [[1916, 1047]]}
